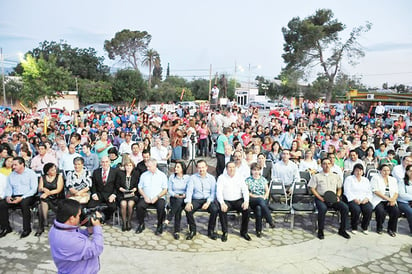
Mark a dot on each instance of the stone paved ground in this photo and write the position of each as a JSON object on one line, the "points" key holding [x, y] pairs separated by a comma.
{"points": [[280, 250]]}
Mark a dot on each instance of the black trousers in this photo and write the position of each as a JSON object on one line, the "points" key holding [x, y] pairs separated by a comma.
{"points": [[339, 206], [103, 201], [142, 207], [380, 212], [235, 205], [176, 208], [220, 163], [212, 209], [25, 206], [261, 209], [355, 211]]}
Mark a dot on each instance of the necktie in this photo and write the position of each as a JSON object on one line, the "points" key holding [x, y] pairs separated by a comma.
{"points": [[104, 177]]}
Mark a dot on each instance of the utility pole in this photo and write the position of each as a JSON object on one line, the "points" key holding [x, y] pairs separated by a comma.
{"points": [[210, 80], [2, 73]]}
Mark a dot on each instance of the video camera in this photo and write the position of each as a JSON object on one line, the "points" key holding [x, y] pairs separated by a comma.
{"points": [[88, 214]]}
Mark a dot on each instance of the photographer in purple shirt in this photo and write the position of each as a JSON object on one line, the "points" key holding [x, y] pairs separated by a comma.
{"points": [[72, 248]]}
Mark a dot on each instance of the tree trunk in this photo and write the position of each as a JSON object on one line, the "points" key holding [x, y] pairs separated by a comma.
{"points": [[150, 75]]}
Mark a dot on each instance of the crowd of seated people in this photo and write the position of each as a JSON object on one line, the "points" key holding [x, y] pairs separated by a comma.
{"points": [[123, 160]]}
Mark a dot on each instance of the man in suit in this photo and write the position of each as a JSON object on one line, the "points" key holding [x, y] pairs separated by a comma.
{"points": [[141, 166], [266, 170], [104, 181]]}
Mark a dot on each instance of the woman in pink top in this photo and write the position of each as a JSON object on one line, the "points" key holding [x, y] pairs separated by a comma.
{"points": [[203, 133]]}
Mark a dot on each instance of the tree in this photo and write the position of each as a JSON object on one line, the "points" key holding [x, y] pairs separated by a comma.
{"points": [[309, 41], [127, 85], [151, 58], [94, 91], [13, 88], [200, 89], [43, 79], [128, 46], [82, 63], [157, 75]]}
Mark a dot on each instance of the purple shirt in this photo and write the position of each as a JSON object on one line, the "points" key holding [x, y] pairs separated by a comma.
{"points": [[73, 251]]}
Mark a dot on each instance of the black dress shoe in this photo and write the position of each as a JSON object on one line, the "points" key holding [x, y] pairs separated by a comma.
{"points": [[212, 235], [176, 236], [272, 225], [391, 233], [190, 235], [159, 230], [379, 231], [344, 234], [124, 227], [224, 237], [25, 233], [259, 234], [246, 237], [39, 232], [140, 228], [128, 226], [320, 235], [5, 231]]}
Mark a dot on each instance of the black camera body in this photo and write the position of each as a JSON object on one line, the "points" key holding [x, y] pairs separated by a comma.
{"points": [[88, 214], [193, 138]]}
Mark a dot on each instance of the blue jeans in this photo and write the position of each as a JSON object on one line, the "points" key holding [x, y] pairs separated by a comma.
{"points": [[407, 209]]}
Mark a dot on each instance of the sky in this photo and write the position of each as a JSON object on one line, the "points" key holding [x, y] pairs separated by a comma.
{"points": [[240, 38]]}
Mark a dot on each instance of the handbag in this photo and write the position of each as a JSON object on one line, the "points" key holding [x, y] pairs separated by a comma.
{"points": [[128, 194]]}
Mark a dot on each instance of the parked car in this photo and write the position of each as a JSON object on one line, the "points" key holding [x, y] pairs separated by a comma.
{"points": [[98, 107], [253, 104]]}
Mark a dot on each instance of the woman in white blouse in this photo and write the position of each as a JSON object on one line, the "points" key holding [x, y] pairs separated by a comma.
{"points": [[358, 191], [405, 195], [385, 193], [308, 164]]}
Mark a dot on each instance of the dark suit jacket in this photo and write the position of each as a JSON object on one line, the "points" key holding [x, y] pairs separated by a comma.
{"points": [[140, 168], [107, 189], [267, 171], [121, 182]]}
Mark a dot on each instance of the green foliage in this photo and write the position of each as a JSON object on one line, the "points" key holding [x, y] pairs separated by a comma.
{"points": [[151, 58], [314, 43], [157, 75], [127, 85], [94, 91], [200, 89], [13, 90], [81, 63], [128, 45], [43, 79]]}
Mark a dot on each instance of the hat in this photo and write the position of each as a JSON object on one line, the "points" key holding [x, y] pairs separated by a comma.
{"points": [[330, 197]]}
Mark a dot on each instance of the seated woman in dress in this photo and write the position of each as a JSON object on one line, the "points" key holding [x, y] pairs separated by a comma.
{"points": [[359, 194], [176, 187], [127, 189], [259, 194], [79, 182], [385, 193], [51, 189], [405, 196]]}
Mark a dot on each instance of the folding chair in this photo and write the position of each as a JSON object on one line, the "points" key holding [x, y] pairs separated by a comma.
{"points": [[371, 173], [302, 202], [278, 200], [305, 175]]}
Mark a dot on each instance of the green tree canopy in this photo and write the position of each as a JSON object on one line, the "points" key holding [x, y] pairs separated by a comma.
{"points": [[43, 79], [95, 91], [127, 85], [314, 42], [82, 63], [128, 45]]}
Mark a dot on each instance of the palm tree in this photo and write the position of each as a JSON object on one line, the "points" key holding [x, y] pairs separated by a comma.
{"points": [[151, 58]]}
